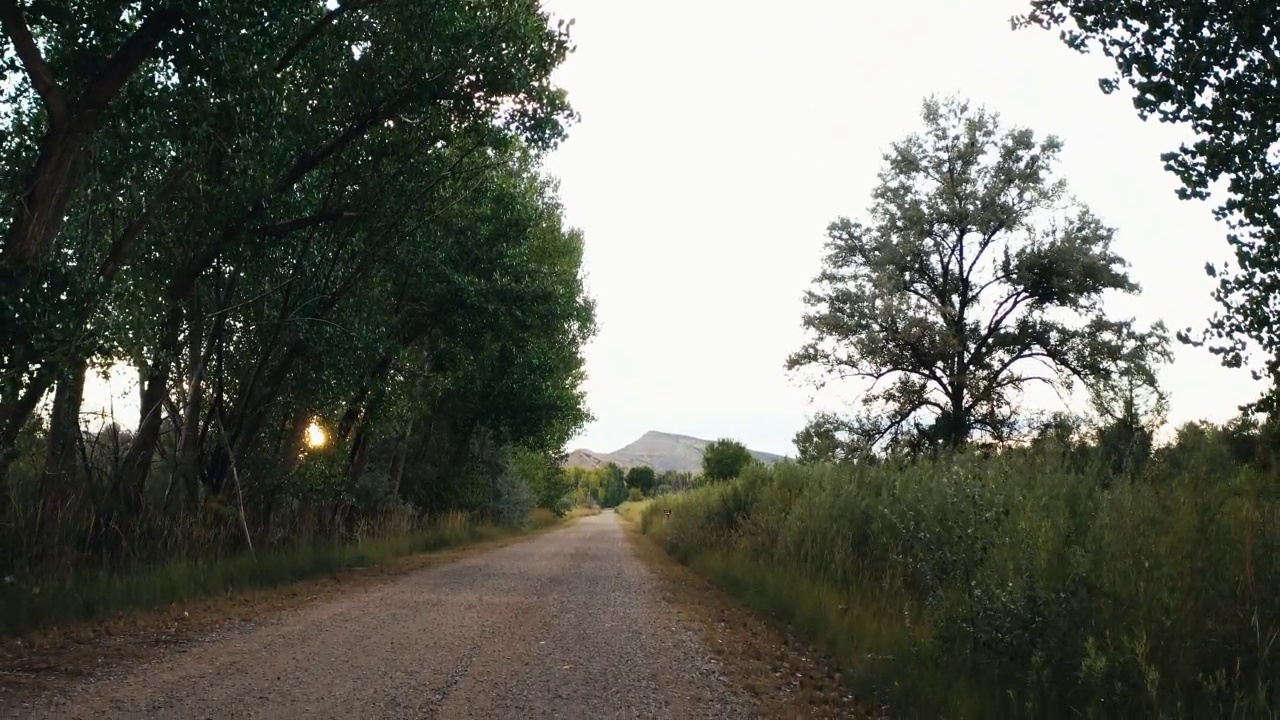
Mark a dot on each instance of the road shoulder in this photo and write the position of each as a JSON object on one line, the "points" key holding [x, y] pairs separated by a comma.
{"points": [[787, 678]]}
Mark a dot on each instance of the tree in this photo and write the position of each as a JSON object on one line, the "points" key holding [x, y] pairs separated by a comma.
{"points": [[976, 276], [643, 478], [1131, 406], [613, 486], [1212, 66], [826, 438], [725, 459], [549, 481], [671, 481]]}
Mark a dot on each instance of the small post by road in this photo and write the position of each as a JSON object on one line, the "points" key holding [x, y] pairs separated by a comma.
{"points": [[667, 512]]}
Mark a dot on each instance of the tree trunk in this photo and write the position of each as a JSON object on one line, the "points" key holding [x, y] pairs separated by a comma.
{"points": [[188, 437], [297, 436], [251, 411], [64, 435], [131, 477], [398, 460], [359, 456], [41, 210], [13, 416]]}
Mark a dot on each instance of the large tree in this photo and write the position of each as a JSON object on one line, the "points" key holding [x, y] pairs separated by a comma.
{"points": [[975, 276], [1214, 66], [725, 459], [642, 478]]}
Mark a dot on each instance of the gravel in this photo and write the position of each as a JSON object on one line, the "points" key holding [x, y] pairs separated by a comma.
{"points": [[566, 625]]}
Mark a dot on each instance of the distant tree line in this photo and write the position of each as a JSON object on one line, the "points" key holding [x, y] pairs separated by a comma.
{"points": [[610, 485]]}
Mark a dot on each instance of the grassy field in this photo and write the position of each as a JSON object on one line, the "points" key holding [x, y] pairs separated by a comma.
{"points": [[1008, 586], [76, 596]]}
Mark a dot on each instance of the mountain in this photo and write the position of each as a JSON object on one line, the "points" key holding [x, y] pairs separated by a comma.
{"points": [[658, 450]]}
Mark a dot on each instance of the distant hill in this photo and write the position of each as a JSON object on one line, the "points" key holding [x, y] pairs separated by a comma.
{"points": [[658, 450]]}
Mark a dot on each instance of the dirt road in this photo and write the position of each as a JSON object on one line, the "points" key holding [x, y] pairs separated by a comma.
{"points": [[566, 625]]}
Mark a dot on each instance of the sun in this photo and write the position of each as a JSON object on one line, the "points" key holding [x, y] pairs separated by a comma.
{"points": [[316, 436]]}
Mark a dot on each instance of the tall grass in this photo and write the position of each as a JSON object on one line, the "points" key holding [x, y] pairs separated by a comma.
{"points": [[1015, 585], [632, 510], [77, 594]]}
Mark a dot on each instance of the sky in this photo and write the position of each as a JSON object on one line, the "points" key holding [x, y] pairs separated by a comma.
{"points": [[719, 138]]}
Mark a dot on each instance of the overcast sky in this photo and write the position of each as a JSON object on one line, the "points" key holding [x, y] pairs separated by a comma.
{"points": [[719, 138]]}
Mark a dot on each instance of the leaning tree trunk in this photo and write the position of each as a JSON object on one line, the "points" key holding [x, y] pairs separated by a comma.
{"points": [[64, 436]]}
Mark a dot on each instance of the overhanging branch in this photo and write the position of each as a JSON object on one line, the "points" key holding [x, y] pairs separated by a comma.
{"points": [[42, 79], [103, 89]]}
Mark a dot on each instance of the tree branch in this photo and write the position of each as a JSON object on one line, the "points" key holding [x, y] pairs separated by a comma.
{"points": [[123, 245], [117, 71], [42, 79], [309, 160], [319, 27], [283, 228]]}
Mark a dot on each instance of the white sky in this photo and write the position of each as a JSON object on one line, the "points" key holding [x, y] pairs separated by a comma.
{"points": [[720, 138]]}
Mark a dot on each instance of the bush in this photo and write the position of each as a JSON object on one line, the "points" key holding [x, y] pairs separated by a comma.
{"points": [[634, 495], [1017, 584]]}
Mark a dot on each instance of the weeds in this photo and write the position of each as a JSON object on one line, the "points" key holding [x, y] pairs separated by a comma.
{"points": [[76, 594], [1014, 585]]}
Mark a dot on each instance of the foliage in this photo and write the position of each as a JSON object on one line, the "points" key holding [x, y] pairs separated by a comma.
{"points": [[1027, 583], [724, 459], [670, 481], [549, 482], [642, 478], [1211, 66], [613, 488], [829, 438], [975, 272], [605, 486], [394, 268]]}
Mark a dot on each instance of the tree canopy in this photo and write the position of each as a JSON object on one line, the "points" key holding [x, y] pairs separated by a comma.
{"points": [[284, 215], [975, 276], [642, 478], [725, 459], [1210, 66]]}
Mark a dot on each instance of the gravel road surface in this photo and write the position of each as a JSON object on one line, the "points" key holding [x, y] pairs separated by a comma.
{"points": [[566, 625]]}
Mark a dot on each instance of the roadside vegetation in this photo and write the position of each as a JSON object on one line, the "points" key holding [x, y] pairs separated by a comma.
{"points": [[325, 247], [961, 556], [88, 594], [1033, 583]]}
